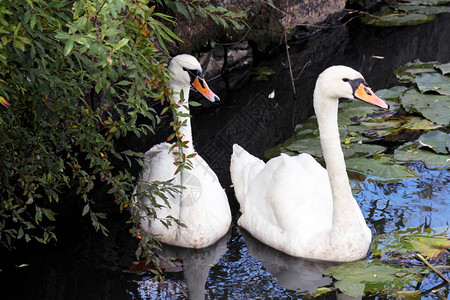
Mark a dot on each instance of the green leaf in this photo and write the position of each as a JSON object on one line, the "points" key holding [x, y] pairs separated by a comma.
{"points": [[86, 209], [409, 71], [411, 152], [382, 168], [68, 47], [434, 82], [436, 140], [435, 108], [121, 44], [356, 278]]}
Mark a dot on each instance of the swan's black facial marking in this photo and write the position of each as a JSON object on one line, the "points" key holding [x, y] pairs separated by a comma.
{"points": [[193, 73], [355, 83]]}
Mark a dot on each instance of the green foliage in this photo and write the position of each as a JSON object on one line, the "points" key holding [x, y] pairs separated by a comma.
{"points": [[203, 8], [77, 76]]}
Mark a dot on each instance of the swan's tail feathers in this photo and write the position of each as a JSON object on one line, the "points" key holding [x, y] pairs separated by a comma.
{"points": [[241, 167]]}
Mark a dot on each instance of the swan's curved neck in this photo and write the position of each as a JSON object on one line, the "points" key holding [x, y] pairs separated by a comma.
{"points": [[344, 204], [182, 114]]}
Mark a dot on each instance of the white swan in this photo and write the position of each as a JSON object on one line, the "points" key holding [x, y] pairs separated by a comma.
{"points": [[295, 205], [203, 205]]}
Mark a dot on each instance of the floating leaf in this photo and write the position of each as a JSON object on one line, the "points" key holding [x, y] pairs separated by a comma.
{"points": [[392, 94], [436, 140], [382, 168], [426, 2], [435, 108], [394, 18], [422, 9], [409, 71], [434, 82], [411, 152], [445, 68], [356, 278], [429, 242]]}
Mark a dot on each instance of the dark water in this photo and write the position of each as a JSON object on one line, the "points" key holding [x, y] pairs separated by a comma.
{"points": [[86, 265]]}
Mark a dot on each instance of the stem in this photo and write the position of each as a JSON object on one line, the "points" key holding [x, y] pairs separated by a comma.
{"points": [[421, 258], [289, 62]]}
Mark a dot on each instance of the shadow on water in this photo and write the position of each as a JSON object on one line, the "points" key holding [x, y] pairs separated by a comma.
{"points": [[86, 265]]}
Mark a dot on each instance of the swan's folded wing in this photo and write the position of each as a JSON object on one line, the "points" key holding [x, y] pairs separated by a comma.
{"points": [[244, 167]]}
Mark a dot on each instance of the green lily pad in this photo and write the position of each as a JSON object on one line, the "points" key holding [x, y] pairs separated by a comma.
{"points": [[357, 278], [435, 108], [352, 111], [409, 71], [426, 2], [309, 128], [434, 82], [436, 140], [445, 68], [429, 242], [392, 94], [422, 9], [395, 18], [411, 152], [383, 168], [397, 127], [307, 145]]}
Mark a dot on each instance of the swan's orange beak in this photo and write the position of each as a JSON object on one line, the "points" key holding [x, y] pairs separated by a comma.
{"points": [[365, 94], [200, 85]]}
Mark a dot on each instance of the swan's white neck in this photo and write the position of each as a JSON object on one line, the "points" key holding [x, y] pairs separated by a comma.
{"points": [[185, 130], [346, 213]]}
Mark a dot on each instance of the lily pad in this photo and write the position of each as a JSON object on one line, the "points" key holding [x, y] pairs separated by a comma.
{"points": [[398, 127], [392, 94], [436, 140], [445, 68], [426, 2], [434, 82], [307, 145], [435, 108], [409, 71], [431, 243], [395, 18], [423, 9], [383, 168], [352, 111], [411, 152], [356, 278]]}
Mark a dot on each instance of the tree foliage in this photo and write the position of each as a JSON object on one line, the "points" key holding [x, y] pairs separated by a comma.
{"points": [[77, 75]]}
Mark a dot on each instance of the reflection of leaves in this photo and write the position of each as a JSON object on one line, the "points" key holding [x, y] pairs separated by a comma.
{"points": [[436, 140], [434, 82], [381, 169], [435, 108], [262, 73], [411, 152], [355, 278]]}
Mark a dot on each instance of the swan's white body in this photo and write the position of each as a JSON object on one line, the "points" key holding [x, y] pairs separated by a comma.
{"points": [[203, 205], [295, 205]]}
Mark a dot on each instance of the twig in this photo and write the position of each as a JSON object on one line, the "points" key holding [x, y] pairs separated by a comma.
{"points": [[303, 69], [289, 62], [421, 258]]}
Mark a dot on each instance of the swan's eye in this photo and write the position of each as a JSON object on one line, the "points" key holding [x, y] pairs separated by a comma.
{"points": [[345, 79]]}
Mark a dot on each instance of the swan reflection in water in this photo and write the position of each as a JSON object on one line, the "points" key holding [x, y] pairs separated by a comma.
{"points": [[293, 273], [195, 263]]}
